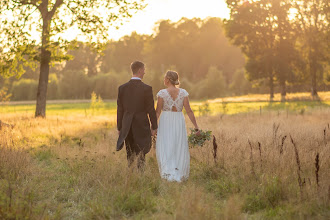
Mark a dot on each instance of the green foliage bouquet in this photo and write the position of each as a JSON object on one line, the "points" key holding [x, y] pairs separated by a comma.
{"points": [[198, 138]]}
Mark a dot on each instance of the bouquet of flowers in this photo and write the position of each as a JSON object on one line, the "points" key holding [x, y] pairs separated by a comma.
{"points": [[199, 137]]}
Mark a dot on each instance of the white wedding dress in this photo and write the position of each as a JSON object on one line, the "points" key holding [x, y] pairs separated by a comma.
{"points": [[172, 148]]}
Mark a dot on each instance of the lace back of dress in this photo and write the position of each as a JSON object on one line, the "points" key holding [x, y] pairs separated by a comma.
{"points": [[170, 104]]}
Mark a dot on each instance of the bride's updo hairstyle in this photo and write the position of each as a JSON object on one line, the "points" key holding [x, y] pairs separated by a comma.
{"points": [[173, 77]]}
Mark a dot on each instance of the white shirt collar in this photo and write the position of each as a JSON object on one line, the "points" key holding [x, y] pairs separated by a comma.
{"points": [[134, 77]]}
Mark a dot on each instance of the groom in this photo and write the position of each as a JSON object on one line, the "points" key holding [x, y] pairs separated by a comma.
{"points": [[134, 104]]}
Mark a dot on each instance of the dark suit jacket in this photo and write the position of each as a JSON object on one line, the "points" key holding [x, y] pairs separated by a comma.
{"points": [[135, 102]]}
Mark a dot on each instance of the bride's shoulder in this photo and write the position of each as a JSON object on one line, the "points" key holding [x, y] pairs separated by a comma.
{"points": [[161, 93], [184, 92]]}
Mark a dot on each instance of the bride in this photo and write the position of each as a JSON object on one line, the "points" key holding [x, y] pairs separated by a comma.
{"points": [[172, 149]]}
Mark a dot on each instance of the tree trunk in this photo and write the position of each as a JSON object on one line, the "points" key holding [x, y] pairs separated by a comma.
{"points": [[283, 90], [314, 84], [44, 71], [312, 70], [271, 86]]}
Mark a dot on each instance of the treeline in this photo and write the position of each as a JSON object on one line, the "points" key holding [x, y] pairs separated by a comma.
{"points": [[78, 85], [209, 66], [285, 42], [198, 49]]}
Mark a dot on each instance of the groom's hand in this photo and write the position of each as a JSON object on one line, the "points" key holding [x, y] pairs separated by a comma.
{"points": [[153, 132]]}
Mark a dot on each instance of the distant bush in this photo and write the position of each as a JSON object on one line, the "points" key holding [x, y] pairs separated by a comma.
{"points": [[189, 86], [240, 85], [156, 80], [74, 85], [52, 90], [213, 85], [78, 85], [106, 85], [96, 102], [24, 89]]}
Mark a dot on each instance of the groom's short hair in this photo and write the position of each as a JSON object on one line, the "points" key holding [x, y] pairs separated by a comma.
{"points": [[136, 65]]}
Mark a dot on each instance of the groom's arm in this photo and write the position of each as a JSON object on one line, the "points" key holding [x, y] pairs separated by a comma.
{"points": [[151, 109], [120, 111]]}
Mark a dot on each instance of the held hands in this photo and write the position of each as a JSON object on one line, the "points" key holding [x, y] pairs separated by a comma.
{"points": [[153, 132]]}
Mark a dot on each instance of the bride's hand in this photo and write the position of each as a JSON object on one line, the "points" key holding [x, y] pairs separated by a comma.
{"points": [[198, 132]]}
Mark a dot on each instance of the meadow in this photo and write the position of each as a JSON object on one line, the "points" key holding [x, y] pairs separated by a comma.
{"points": [[296, 103], [272, 163]]}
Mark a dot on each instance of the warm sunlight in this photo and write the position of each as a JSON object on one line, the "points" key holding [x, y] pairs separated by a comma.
{"points": [[164, 109], [144, 21]]}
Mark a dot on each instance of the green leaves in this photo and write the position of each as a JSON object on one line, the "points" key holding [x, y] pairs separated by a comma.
{"points": [[12, 61], [198, 139], [4, 95], [22, 22]]}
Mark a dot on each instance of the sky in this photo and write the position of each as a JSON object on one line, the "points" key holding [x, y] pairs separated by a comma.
{"points": [[144, 21]]}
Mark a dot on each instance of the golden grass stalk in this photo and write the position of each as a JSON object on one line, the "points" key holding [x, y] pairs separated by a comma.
{"points": [[282, 144], [215, 149], [251, 158], [300, 182], [259, 148], [317, 169]]}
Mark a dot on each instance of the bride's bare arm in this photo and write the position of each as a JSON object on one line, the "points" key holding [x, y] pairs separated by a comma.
{"points": [[189, 111], [159, 108]]}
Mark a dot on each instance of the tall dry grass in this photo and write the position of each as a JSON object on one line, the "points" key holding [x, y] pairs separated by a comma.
{"points": [[67, 168]]}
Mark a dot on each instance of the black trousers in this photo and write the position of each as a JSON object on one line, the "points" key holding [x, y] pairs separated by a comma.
{"points": [[134, 151]]}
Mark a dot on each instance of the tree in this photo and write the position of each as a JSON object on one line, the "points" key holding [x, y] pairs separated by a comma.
{"points": [[193, 45], [85, 58], [249, 29], [312, 24], [19, 18], [160, 50], [215, 50], [119, 54], [263, 31], [285, 52]]}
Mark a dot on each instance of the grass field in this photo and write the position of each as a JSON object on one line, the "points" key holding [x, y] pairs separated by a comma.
{"points": [[298, 103], [65, 166]]}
